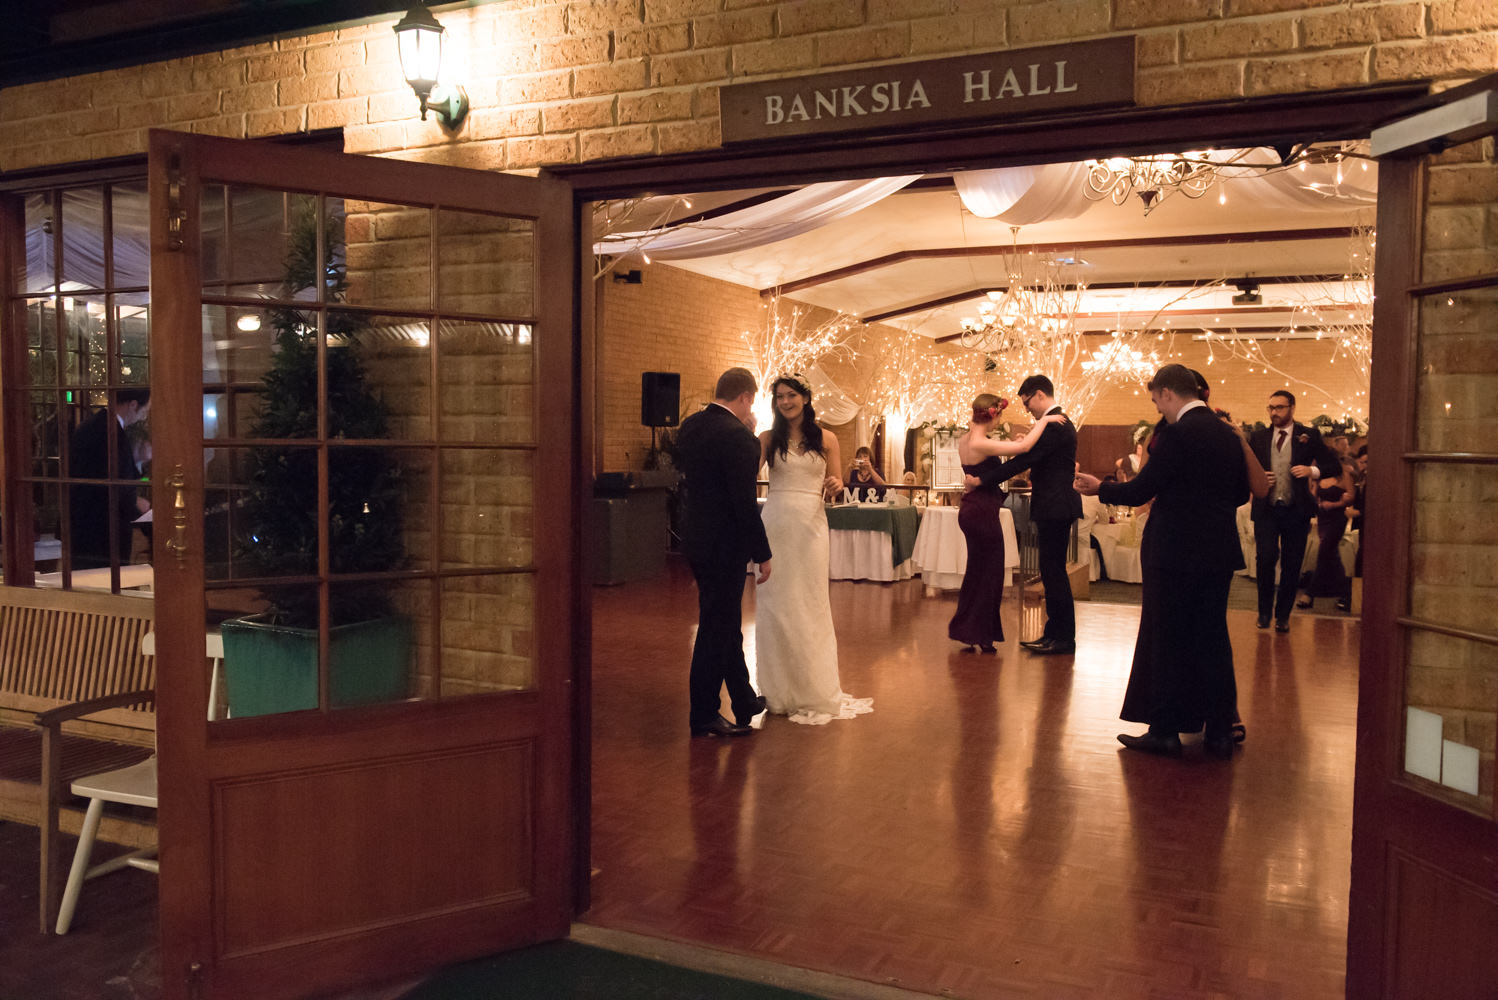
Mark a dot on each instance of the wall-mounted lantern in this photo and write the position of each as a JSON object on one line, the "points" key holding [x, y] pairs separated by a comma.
{"points": [[419, 37]]}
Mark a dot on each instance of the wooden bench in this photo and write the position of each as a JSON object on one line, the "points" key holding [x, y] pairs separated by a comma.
{"points": [[76, 697]]}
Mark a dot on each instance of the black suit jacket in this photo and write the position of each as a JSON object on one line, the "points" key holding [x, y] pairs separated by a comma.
{"points": [[1306, 448], [1197, 479], [1053, 467], [89, 506], [721, 461]]}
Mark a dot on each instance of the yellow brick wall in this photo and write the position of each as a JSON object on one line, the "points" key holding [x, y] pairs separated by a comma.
{"points": [[564, 81]]}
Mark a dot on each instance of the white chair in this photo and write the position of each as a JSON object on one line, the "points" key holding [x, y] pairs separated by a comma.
{"points": [[135, 786], [132, 786]]}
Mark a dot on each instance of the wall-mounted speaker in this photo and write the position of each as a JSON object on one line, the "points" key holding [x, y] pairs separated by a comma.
{"points": [[660, 398]]}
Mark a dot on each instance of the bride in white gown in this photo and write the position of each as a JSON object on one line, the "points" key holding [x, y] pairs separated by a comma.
{"points": [[795, 645]]}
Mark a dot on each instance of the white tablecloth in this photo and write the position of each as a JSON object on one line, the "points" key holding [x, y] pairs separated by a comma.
{"points": [[1120, 547], [1347, 548], [863, 555], [941, 552]]}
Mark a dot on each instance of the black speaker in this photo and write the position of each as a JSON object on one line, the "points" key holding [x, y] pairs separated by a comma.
{"points": [[660, 398]]}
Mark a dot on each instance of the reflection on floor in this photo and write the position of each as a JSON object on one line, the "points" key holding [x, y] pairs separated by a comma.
{"points": [[982, 834]]}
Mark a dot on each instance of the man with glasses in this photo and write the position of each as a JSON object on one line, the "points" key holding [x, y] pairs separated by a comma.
{"points": [[1291, 453], [1054, 507]]}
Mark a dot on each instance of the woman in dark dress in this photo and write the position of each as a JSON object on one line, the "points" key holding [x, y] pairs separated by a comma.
{"points": [[976, 623], [1329, 578]]}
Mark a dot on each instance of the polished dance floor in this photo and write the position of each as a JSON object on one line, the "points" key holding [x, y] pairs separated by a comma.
{"points": [[981, 834]]}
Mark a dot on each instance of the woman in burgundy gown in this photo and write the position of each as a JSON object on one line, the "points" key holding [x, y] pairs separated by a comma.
{"points": [[976, 623]]}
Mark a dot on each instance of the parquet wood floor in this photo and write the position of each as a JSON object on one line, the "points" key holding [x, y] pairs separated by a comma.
{"points": [[981, 834]]}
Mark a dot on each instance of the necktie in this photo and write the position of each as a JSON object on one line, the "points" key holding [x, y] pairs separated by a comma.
{"points": [[1279, 445]]}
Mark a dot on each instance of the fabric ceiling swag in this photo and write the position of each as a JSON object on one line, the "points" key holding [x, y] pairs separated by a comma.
{"points": [[799, 212], [1024, 195]]}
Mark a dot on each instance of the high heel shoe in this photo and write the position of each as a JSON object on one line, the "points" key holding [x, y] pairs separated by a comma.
{"points": [[986, 647], [1304, 602]]}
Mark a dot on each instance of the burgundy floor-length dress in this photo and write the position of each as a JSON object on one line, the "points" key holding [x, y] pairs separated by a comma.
{"points": [[976, 622]]}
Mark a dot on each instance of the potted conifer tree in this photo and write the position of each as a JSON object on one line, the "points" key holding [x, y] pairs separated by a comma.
{"points": [[270, 659]]}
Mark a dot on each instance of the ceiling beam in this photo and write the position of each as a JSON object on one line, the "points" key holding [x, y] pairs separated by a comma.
{"points": [[938, 253]]}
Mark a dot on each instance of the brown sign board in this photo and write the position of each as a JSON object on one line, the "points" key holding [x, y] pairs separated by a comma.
{"points": [[991, 85]]}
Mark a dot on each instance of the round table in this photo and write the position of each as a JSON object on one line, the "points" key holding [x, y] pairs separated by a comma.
{"points": [[941, 551]]}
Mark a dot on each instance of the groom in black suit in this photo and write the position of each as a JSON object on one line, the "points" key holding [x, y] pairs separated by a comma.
{"points": [[1054, 508], [723, 534], [1182, 680]]}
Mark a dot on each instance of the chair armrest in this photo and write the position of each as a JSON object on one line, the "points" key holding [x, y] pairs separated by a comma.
{"points": [[51, 719]]}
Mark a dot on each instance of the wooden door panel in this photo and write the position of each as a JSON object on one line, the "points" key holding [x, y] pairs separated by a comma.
{"points": [[1442, 932], [431, 805]]}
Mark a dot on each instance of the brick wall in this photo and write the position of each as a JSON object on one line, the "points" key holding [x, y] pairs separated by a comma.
{"points": [[567, 81]]}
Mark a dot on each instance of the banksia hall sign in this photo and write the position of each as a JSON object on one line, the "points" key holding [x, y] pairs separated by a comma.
{"points": [[1005, 84]]}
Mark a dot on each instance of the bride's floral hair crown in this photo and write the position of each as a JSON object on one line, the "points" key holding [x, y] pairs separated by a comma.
{"points": [[799, 381]]}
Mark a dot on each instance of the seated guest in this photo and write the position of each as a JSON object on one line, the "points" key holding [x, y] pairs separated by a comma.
{"points": [[863, 478]]}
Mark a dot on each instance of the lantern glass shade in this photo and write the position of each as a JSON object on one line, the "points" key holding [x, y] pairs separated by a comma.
{"points": [[419, 37]]}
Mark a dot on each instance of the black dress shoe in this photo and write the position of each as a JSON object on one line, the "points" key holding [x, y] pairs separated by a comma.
{"points": [[757, 706], [720, 727], [1263, 622], [1220, 747], [1344, 605], [1036, 645], [1062, 646], [1283, 626], [1163, 744]]}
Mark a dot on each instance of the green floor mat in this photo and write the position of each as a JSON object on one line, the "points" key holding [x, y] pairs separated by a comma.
{"points": [[565, 970]]}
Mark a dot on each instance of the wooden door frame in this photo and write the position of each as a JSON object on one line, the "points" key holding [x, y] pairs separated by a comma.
{"points": [[1265, 121]]}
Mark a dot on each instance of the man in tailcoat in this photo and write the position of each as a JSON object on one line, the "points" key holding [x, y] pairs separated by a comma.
{"points": [[722, 534], [1291, 453], [1182, 680], [1054, 508]]}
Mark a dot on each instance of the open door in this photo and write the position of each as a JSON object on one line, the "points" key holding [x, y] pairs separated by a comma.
{"points": [[1424, 903], [364, 399]]}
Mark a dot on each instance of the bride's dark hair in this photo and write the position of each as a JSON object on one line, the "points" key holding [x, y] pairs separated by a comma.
{"points": [[780, 429]]}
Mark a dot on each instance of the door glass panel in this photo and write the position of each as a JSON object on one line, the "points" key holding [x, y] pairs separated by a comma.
{"points": [[130, 215], [1460, 239], [1450, 717], [379, 376], [46, 520], [1454, 546], [485, 377], [385, 643], [1457, 387], [83, 238], [270, 658], [85, 339], [487, 508], [486, 265], [37, 268], [488, 634], [271, 523], [41, 342], [46, 433], [389, 255], [372, 525], [132, 324]]}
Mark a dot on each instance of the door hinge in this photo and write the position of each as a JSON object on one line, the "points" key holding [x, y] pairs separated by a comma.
{"points": [[176, 218]]}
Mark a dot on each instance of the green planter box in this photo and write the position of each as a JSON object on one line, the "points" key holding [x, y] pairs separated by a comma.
{"points": [[273, 668]]}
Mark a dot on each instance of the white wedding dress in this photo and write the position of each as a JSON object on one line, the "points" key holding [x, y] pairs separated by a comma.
{"points": [[795, 646]]}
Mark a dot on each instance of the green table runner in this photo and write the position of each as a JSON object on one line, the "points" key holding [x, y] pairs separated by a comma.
{"points": [[899, 523]]}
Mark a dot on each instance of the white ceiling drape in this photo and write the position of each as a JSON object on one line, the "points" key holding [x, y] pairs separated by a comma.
{"points": [[1024, 195], [789, 215]]}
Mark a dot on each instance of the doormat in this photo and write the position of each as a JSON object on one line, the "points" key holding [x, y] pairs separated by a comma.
{"points": [[566, 970]]}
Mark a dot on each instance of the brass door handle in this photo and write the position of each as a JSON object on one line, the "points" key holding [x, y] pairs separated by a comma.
{"points": [[177, 544]]}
